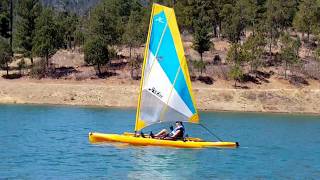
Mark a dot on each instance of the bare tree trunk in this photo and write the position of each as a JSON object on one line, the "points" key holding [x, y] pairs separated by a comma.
{"points": [[99, 69], [47, 60], [285, 70], [270, 48], [201, 63], [7, 65], [215, 31], [11, 23]]}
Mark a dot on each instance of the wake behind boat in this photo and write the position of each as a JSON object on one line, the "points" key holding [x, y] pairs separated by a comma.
{"points": [[165, 89]]}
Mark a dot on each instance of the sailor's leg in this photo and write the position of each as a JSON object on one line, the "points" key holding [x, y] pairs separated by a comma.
{"points": [[162, 133]]}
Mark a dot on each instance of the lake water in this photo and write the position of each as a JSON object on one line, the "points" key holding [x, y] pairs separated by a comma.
{"points": [[49, 142]]}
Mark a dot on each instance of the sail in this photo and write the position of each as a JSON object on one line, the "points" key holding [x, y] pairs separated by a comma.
{"points": [[165, 89]]}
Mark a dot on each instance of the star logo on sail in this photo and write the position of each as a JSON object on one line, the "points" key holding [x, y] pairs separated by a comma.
{"points": [[160, 20]]}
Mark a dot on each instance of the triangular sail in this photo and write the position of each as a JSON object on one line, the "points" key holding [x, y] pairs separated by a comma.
{"points": [[165, 89]]}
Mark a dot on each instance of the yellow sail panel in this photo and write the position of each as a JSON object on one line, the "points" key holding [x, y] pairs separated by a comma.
{"points": [[165, 90]]}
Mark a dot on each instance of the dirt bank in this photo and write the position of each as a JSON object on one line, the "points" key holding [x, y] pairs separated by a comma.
{"points": [[125, 94]]}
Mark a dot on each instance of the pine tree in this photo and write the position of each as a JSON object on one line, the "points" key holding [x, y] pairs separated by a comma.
{"points": [[27, 11], [306, 18], [5, 54], [67, 23], [201, 29], [289, 51], [5, 18], [278, 17], [253, 48], [134, 34], [47, 38], [105, 22], [236, 57], [96, 53]]}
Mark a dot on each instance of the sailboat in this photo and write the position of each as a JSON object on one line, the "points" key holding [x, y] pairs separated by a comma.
{"points": [[165, 89]]}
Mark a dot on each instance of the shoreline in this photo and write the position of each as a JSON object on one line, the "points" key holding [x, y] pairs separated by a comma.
{"points": [[134, 108], [108, 94]]}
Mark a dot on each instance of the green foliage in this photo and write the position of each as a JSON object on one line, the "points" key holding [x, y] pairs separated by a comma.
{"points": [[202, 29], [236, 17], [306, 18], [135, 29], [236, 54], [236, 73], [183, 13], [67, 25], [5, 54], [96, 53], [105, 22], [289, 50], [200, 65], [27, 12], [47, 38], [253, 50], [4, 18], [278, 16]]}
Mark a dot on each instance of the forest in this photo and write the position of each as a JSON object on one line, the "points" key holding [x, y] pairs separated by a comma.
{"points": [[264, 37]]}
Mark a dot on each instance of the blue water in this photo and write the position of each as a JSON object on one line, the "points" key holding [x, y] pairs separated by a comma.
{"points": [[49, 142]]}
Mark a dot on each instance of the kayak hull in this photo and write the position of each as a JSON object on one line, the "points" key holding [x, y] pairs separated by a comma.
{"points": [[131, 139]]}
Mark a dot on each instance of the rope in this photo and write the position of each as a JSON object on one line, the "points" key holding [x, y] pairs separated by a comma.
{"points": [[210, 132]]}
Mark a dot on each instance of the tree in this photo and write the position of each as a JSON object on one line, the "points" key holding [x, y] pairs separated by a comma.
{"points": [[289, 51], [67, 25], [278, 16], [96, 53], [47, 40], [201, 28], [306, 18], [105, 22], [236, 17], [253, 49], [135, 33], [27, 11], [183, 12], [5, 54], [236, 57], [200, 65], [4, 19], [236, 73]]}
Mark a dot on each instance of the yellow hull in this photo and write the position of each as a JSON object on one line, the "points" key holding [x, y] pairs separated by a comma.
{"points": [[130, 139]]}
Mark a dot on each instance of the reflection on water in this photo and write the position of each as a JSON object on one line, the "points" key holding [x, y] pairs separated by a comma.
{"points": [[49, 142], [162, 162]]}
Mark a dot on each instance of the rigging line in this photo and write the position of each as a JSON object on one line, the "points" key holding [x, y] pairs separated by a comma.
{"points": [[210, 132]]}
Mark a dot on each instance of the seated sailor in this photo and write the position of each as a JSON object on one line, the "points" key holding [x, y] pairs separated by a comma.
{"points": [[175, 133]]}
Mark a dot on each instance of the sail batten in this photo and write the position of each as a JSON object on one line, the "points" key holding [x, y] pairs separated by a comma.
{"points": [[165, 89]]}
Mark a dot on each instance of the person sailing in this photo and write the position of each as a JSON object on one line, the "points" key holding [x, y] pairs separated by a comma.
{"points": [[176, 133]]}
